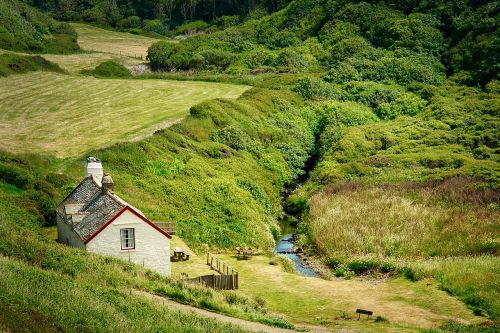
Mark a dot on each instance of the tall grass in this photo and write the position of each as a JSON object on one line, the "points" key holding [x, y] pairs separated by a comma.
{"points": [[58, 303], [420, 230], [474, 280], [390, 222]]}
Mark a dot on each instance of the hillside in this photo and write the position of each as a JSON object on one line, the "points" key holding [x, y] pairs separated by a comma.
{"points": [[369, 129], [25, 29]]}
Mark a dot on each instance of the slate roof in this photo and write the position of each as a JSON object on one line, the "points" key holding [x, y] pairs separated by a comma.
{"points": [[82, 194], [87, 208], [96, 213]]}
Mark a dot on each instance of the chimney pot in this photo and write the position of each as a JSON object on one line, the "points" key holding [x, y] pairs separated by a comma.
{"points": [[107, 183]]}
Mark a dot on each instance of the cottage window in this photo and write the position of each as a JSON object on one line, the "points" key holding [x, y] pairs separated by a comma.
{"points": [[128, 238]]}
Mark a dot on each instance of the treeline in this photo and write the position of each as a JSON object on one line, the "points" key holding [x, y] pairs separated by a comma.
{"points": [[403, 42], [23, 28], [139, 13]]}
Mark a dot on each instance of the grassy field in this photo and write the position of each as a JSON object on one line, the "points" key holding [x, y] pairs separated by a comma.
{"points": [[406, 306], [102, 45], [68, 115], [91, 38], [54, 303]]}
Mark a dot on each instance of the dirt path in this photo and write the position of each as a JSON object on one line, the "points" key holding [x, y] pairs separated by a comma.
{"points": [[249, 325]]}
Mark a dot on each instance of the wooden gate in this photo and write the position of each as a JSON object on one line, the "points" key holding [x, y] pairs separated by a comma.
{"points": [[221, 282]]}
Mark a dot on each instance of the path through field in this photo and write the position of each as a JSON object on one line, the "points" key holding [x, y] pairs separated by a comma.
{"points": [[63, 115]]}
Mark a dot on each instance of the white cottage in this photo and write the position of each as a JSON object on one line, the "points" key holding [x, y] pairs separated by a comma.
{"points": [[94, 218]]}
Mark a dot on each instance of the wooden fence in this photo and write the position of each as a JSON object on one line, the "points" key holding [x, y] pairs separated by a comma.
{"points": [[227, 280], [221, 282], [219, 266], [168, 227]]}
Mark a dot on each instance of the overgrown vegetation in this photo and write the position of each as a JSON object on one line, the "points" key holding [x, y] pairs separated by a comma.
{"points": [[386, 192], [23, 28], [218, 174], [353, 41], [159, 17]]}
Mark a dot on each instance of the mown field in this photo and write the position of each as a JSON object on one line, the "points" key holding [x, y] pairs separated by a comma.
{"points": [[67, 115], [91, 38]]}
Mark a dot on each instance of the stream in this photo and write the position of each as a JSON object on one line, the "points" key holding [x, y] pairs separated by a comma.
{"points": [[284, 247]]}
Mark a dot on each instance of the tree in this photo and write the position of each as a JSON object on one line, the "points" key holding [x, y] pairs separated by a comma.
{"points": [[192, 7], [165, 8], [184, 8]]}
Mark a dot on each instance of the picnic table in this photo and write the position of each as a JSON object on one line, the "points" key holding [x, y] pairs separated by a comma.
{"points": [[244, 252], [179, 255]]}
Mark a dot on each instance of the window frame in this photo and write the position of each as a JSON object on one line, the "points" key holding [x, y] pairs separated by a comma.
{"points": [[124, 232]]}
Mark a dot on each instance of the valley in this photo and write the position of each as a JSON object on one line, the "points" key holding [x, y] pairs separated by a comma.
{"points": [[373, 113]]}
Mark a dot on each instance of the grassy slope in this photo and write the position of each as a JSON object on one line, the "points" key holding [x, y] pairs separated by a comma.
{"points": [[121, 109], [407, 306], [219, 194], [23, 28]]}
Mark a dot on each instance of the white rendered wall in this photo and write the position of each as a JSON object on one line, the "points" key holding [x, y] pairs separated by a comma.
{"points": [[152, 249], [66, 234]]}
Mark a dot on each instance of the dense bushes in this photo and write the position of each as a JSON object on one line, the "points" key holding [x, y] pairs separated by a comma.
{"points": [[23, 28], [356, 42]]}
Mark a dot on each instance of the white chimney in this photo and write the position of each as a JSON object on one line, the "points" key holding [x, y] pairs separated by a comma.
{"points": [[93, 167]]}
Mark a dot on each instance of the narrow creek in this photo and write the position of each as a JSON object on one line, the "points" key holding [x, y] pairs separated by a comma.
{"points": [[285, 244], [285, 247]]}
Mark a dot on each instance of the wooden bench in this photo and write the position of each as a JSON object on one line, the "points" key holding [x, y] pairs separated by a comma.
{"points": [[366, 312]]}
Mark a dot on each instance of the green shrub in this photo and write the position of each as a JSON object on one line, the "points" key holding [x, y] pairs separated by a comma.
{"points": [[213, 58], [315, 89], [191, 27], [362, 266], [131, 22], [111, 69], [286, 263], [159, 55], [155, 26], [387, 267], [413, 274]]}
